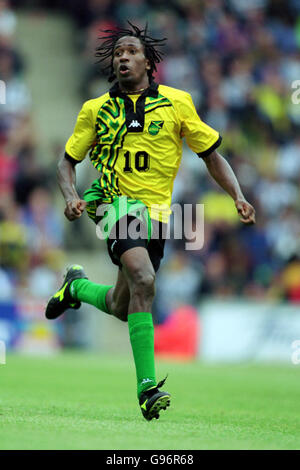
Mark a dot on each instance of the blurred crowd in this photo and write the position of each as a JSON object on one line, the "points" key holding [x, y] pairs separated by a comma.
{"points": [[31, 231], [240, 60]]}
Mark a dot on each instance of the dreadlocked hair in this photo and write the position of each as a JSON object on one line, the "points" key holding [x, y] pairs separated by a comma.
{"points": [[106, 49]]}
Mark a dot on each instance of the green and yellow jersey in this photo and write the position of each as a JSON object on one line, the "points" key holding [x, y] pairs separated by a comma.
{"points": [[135, 142]]}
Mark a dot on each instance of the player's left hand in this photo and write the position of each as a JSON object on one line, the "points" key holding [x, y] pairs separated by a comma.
{"points": [[246, 211]]}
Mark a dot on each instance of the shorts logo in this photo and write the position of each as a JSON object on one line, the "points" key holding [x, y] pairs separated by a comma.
{"points": [[155, 127], [113, 244]]}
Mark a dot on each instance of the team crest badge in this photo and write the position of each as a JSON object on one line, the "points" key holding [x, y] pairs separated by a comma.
{"points": [[155, 127]]}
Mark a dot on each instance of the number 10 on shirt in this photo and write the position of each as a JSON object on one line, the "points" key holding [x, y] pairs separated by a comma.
{"points": [[141, 161]]}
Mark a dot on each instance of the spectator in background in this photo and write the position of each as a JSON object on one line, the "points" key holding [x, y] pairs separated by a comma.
{"points": [[30, 230], [8, 169], [178, 284], [8, 21], [43, 225], [18, 101]]}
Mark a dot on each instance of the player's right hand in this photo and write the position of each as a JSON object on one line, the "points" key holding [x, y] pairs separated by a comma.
{"points": [[74, 209]]}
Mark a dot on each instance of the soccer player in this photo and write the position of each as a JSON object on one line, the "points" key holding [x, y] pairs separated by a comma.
{"points": [[133, 134]]}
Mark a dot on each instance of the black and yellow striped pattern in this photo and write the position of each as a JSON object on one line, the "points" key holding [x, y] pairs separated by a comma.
{"points": [[111, 130], [154, 103]]}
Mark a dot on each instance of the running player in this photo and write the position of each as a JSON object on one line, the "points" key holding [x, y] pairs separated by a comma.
{"points": [[133, 134]]}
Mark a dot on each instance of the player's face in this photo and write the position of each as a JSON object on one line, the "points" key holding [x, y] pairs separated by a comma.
{"points": [[130, 64]]}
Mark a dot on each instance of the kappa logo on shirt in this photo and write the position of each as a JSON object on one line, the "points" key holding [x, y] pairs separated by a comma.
{"points": [[134, 123]]}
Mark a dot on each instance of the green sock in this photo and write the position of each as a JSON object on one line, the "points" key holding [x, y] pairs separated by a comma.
{"points": [[141, 333], [91, 293]]}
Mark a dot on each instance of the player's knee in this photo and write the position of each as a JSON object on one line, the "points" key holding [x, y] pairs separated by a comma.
{"points": [[142, 283]]}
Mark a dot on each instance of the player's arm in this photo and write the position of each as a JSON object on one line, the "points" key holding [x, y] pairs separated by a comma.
{"points": [[204, 141], [76, 149], [224, 175], [66, 176]]}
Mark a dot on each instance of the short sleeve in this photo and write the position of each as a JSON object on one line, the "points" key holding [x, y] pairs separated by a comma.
{"points": [[84, 135], [200, 137]]}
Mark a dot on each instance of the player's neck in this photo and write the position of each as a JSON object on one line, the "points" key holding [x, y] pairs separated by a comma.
{"points": [[134, 88]]}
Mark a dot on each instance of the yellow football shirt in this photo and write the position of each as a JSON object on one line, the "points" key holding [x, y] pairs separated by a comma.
{"points": [[136, 142]]}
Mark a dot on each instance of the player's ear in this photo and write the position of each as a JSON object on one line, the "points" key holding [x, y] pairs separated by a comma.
{"points": [[148, 66]]}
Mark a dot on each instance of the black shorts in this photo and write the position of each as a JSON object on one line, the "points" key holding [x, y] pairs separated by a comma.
{"points": [[155, 246]]}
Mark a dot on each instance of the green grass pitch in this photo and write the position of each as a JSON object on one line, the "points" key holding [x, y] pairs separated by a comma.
{"points": [[85, 401]]}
